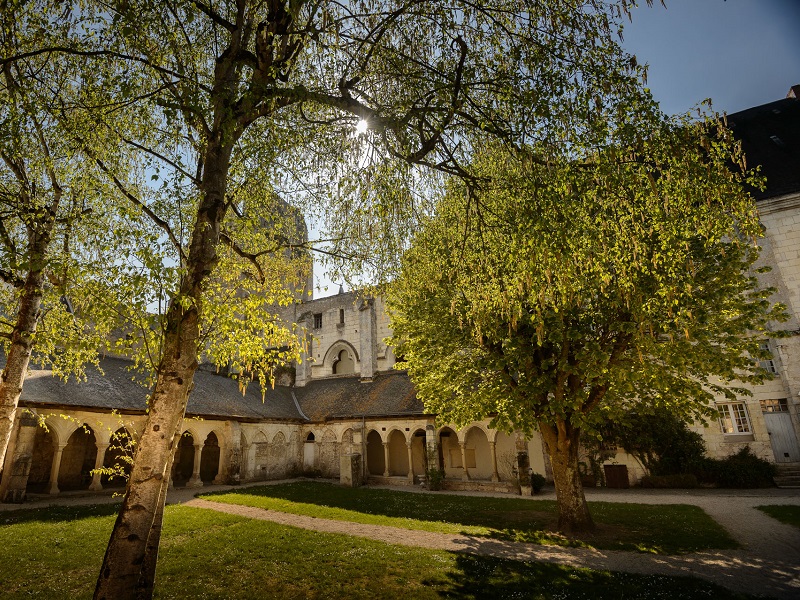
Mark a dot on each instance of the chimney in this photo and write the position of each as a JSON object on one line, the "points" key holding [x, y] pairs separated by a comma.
{"points": [[368, 329]]}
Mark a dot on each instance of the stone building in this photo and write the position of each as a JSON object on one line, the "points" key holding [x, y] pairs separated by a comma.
{"points": [[347, 413]]}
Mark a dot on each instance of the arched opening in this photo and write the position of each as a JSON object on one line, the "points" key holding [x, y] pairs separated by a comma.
{"points": [[398, 454], [478, 455], [183, 465], [418, 452], [260, 454], [343, 364], [209, 459], [329, 454], [375, 459], [450, 454], [119, 458], [78, 460], [309, 452], [44, 445], [347, 442], [506, 451], [279, 466]]}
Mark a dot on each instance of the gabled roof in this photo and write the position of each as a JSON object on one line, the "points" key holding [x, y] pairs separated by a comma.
{"points": [[388, 394], [770, 136], [213, 395]]}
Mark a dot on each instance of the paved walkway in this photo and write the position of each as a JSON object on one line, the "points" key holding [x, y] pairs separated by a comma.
{"points": [[768, 563]]}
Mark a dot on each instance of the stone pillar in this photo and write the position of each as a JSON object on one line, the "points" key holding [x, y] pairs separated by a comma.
{"points": [[385, 459], [194, 480], [368, 337], [350, 469], [54, 468], [221, 474], [431, 449], [410, 463], [302, 373], [493, 451], [18, 459], [463, 445], [96, 484]]}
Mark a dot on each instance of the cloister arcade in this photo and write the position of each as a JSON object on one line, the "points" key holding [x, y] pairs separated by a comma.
{"points": [[67, 452]]}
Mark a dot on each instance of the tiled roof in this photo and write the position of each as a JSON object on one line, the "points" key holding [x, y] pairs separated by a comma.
{"points": [[389, 394], [213, 395], [770, 136]]}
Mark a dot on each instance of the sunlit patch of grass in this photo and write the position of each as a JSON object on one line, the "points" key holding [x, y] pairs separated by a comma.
{"points": [[788, 514], [56, 554], [660, 529]]}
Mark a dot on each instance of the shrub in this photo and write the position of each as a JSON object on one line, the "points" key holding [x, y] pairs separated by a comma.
{"points": [[741, 470], [434, 479], [681, 480], [537, 482]]}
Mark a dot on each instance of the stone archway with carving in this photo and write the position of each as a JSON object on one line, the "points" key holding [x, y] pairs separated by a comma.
{"points": [[341, 358]]}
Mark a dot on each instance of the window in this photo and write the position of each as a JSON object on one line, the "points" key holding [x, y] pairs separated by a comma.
{"points": [[768, 364], [733, 418], [773, 406], [341, 316], [317, 320]]}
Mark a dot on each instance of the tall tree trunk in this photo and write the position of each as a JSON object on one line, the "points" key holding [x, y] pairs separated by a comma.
{"points": [[128, 569], [19, 355], [562, 441]]}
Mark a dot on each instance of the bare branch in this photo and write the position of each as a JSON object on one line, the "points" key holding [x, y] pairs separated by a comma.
{"points": [[215, 16], [138, 202], [252, 258]]}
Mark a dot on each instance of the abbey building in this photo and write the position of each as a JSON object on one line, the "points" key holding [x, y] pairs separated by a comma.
{"points": [[348, 413]]}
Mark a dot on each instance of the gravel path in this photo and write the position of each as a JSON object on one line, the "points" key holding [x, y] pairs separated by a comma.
{"points": [[768, 563]]}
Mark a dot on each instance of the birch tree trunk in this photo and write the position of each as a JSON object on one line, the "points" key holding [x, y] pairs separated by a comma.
{"points": [[562, 441], [127, 572], [22, 340]]}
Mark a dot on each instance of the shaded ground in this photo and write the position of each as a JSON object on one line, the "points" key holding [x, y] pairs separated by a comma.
{"points": [[767, 564]]}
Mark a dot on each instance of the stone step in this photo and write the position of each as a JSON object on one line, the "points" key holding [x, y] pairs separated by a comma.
{"points": [[783, 481]]}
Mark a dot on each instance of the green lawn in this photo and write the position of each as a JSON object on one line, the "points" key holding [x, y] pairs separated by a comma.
{"points": [[661, 529], [56, 553], [785, 514]]}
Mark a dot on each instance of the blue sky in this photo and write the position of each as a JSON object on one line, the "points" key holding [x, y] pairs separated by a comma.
{"points": [[739, 53]]}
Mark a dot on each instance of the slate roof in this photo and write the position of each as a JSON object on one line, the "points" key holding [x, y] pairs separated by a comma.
{"points": [[770, 136], [389, 394], [213, 395]]}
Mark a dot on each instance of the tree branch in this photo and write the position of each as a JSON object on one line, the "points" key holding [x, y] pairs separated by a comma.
{"points": [[146, 209]]}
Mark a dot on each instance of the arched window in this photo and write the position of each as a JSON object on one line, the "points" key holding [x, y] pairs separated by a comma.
{"points": [[343, 363]]}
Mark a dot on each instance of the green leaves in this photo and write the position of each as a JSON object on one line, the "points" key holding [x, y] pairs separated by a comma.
{"points": [[572, 287]]}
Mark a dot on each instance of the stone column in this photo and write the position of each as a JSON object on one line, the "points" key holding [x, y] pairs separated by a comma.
{"points": [[410, 463], [368, 339], [463, 445], [54, 468], [195, 481], [96, 485], [493, 451], [221, 475], [385, 459]]}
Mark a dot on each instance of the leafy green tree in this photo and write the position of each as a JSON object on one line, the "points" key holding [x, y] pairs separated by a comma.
{"points": [[579, 285], [661, 442], [227, 103], [52, 207]]}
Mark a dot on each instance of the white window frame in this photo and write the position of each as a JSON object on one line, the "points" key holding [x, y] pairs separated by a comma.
{"points": [[734, 419]]}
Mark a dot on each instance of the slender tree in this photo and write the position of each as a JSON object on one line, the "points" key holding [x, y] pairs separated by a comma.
{"points": [[573, 289], [50, 210]]}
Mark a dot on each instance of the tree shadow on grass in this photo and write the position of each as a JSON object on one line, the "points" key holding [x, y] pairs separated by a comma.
{"points": [[486, 577], [56, 514]]}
